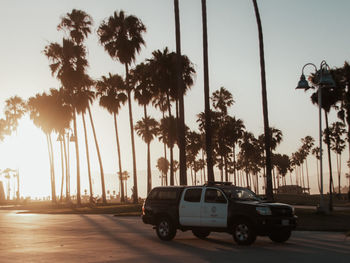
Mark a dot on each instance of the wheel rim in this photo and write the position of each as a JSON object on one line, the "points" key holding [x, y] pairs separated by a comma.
{"points": [[163, 228], [242, 232]]}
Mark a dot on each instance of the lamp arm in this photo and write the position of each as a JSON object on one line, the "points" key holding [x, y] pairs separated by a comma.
{"points": [[310, 64]]}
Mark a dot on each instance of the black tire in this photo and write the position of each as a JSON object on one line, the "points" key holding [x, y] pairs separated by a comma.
{"points": [[201, 234], [280, 235], [243, 233], [165, 229]]}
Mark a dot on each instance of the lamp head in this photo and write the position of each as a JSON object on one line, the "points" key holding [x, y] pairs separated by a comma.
{"points": [[326, 78], [303, 84]]}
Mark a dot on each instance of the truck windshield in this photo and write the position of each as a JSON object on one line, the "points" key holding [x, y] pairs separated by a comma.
{"points": [[241, 194]]}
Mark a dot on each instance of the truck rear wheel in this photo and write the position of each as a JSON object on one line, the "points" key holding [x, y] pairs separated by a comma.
{"points": [[280, 235], [201, 233], [243, 233], [165, 229]]}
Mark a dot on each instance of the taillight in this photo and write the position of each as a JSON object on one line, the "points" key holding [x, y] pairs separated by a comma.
{"points": [[143, 209]]}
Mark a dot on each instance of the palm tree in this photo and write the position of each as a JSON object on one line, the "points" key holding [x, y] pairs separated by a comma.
{"points": [[308, 143], [168, 135], [316, 152], [121, 36], [50, 114], [147, 128], [337, 131], [269, 191], [208, 132], [163, 167], [78, 25], [14, 110], [82, 104], [180, 96], [109, 90], [236, 132], [330, 97], [222, 99]]}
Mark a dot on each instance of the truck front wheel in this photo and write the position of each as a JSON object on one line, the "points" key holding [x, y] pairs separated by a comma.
{"points": [[243, 233], [165, 229]]}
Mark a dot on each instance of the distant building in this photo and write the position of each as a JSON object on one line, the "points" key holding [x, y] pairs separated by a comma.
{"points": [[2, 192]]}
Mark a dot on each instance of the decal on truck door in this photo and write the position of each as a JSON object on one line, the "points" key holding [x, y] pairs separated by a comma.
{"points": [[214, 209]]}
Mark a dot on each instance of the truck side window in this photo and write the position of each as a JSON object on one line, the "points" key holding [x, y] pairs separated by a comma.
{"points": [[193, 195], [166, 195], [214, 196]]}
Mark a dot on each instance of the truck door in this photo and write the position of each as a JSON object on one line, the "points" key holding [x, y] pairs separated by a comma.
{"points": [[190, 207], [214, 208]]}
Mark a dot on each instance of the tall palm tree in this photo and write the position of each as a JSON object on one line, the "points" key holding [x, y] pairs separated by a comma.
{"points": [[337, 131], [330, 97], [222, 99], [15, 108], [208, 131], [168, 135], [78, 25], [50, 114], [308, 143], [269, 191], [147, 129], [180, 96], [316, 152], [82, 103], [163, 167], [121, 36], [109, 90]]}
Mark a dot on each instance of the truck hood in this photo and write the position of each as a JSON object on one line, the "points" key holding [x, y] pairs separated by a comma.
{"points": [[262, 203]]}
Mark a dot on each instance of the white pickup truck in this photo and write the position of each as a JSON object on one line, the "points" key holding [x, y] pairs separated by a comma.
{"points": [[217, 207]]}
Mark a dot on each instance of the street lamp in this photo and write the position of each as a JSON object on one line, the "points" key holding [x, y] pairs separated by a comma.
{"points": [[322, 79]]}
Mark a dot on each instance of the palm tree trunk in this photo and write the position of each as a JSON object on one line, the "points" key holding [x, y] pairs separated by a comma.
{"points": [[269, 191], [99, 157], [62, 166], [77, 158], [234, 163], [208, 132], [149, 174], [52, 169], [330, 165], [67, 167], [180, 89], [122, 199], [307, 176], [88, 161], [318, 176], [171, 145], [136, 198]]}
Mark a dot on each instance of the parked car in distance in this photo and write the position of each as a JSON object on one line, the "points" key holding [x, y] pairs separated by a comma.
{"points": [[217, 207]]}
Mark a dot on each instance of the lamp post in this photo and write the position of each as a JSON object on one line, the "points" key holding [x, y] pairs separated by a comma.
{"points": [[323, 79]]}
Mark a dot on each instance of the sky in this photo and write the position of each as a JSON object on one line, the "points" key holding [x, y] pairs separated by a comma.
{"points": [[295, 33]]}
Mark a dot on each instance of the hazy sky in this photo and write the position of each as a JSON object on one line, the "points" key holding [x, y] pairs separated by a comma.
{"points": [[295, 32]]}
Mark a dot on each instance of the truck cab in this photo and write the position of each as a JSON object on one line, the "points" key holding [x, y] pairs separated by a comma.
{"points": [[217, 207]]}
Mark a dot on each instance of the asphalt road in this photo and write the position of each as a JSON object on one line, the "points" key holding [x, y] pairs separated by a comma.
{"points": [[106, 238]]}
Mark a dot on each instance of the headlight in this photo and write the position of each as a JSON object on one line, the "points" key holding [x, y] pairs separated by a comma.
{"points": [[263, 210]]}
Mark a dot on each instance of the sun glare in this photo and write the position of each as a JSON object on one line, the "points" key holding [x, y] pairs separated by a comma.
{"points": [[26, 151]]}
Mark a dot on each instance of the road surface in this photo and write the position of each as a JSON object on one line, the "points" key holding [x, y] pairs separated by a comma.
{"points": [[106, 238]]}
